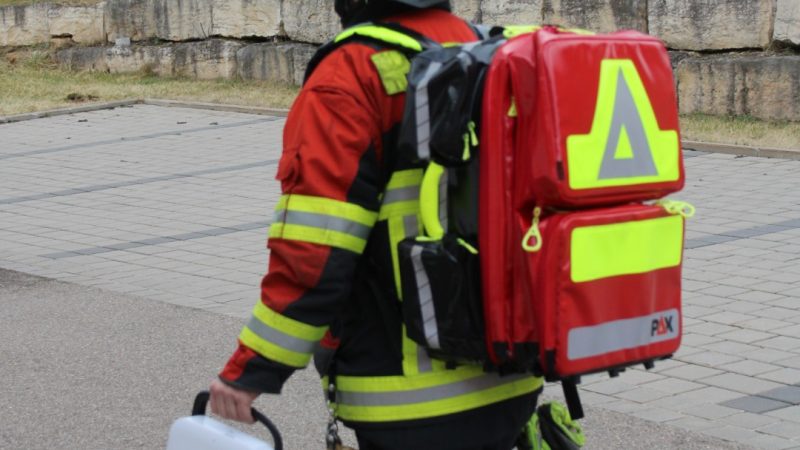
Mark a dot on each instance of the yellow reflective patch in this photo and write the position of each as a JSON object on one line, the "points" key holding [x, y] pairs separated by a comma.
{"points": [[641, 246], [392, 67], [625, 146]]}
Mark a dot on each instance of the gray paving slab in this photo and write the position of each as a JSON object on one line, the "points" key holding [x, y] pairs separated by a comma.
{"points": [[755, 404], [173, 205]]}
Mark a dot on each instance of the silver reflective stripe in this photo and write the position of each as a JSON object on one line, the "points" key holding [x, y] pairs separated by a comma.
{"points": [[401, 195], [626, 117], [623, 334], [422, 112], [443, 199], [410, 397], [280, 338], [427, 310], [410, 229], [323, 221]]}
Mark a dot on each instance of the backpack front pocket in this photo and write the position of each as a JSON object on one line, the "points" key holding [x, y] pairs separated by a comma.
{"points": [[442, 305]]}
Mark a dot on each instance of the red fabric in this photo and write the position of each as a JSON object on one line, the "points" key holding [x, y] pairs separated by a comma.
{"points": [[235, 367]]}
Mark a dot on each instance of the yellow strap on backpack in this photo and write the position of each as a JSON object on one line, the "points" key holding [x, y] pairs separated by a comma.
{"points": [[429, 201]]}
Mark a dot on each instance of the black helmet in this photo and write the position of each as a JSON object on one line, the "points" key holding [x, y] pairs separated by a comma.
{"points": [[355, 11]]}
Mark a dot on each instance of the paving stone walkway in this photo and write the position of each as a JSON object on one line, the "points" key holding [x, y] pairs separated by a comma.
{"points": [[174, 204]]}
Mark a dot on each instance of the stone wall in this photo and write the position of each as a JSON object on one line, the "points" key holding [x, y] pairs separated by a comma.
{"points": [[696, 25], [731, 56]]}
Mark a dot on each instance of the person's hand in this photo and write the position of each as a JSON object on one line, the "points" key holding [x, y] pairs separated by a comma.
{"points": [[231, 403]]}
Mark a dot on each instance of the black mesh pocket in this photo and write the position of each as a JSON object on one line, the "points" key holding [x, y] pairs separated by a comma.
{"points": [[442, 304]]}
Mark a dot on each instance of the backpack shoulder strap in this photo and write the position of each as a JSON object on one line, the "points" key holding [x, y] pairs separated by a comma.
{"points": [[380, 35]]}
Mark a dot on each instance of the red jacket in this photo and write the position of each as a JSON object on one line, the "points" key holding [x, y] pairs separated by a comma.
{"points": [[333, 265]]}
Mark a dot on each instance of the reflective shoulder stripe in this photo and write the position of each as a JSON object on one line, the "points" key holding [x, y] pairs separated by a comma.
{"points": [[280, 338], [382, 399], [382, 34], [322, 221], [392, 67], [511, 31]]}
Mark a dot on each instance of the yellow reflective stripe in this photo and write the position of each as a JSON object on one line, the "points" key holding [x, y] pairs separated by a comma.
{"points": [[326, 206], [401, 203], [410, 354], [381, 34], [407, 208], [402, 194], [625, 146], [316, 235], [392, 67], [511, 31], [426, 395], [323, 221], [641, 246], [402, 383], [280, 338], [274, 352], [405, 178]]}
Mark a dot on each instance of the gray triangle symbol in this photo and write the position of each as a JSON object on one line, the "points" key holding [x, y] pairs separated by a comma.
{"points": [[626, 115]]}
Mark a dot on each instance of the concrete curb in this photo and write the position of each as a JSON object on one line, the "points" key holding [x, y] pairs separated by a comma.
{"points": [[67, 111], [146, 101], [217, 107], [761, 152]]}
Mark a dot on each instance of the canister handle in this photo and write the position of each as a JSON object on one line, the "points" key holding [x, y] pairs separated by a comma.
{"points": [[199, 409]]}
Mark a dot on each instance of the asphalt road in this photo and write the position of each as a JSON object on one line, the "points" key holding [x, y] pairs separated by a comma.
{"points": [[84, 368]]}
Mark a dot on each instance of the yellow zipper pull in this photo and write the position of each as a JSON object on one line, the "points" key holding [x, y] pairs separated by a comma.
{"points": [[472, 133], [674, 207], [512, 110], [466, 155], [467, 246], [534, 233]]}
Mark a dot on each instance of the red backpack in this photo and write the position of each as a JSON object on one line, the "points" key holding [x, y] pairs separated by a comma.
{"points": [[567, 142]]}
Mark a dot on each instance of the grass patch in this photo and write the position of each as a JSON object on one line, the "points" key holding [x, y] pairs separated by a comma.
{"points": [[30, 81], [741, 131]]}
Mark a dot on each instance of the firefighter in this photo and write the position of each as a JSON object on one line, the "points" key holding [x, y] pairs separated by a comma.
{"points": [[332, 289]]}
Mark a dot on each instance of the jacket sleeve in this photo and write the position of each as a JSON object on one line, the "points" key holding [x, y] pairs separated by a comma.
{"points": [[329, 174]]}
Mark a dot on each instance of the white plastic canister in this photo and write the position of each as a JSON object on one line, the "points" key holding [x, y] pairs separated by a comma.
{"points": [[200, 432]]}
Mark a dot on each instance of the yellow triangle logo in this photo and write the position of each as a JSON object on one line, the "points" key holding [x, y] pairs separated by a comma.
{"points": [[625, 145]]}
